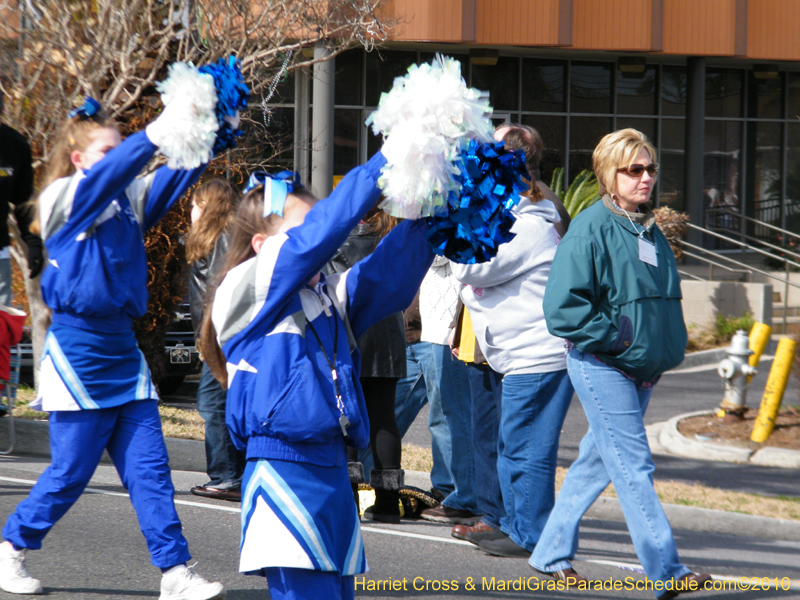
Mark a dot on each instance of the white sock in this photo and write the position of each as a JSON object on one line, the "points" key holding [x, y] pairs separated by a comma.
{"points": [[175, 569]]}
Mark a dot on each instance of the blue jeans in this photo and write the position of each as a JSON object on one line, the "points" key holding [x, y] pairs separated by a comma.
{"points": [[436, 377], [224, 463], [533, 412], [614, 450], [486, 391], [132, 435]]}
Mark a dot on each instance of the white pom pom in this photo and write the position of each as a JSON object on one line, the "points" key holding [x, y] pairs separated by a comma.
{"points": [[425, 118], [186, 129]]}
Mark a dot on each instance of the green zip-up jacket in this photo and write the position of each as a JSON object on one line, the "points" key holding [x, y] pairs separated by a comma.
{"points": [[606, 301]]}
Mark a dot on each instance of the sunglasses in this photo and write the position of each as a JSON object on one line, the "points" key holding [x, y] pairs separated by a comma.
{"points": [[638, 170]]}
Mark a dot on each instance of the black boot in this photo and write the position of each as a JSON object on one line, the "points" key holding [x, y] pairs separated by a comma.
{"points": [[356, 472], [387, 484]]}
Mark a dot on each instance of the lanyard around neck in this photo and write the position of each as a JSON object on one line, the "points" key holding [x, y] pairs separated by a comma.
{"points": [[344, 422], [639, 233]]}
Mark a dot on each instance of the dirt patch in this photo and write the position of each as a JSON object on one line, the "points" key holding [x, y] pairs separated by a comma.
{"points": [[709, 428]]}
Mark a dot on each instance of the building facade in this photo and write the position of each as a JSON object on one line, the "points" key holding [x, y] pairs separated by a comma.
{"points": [[715, 84]]}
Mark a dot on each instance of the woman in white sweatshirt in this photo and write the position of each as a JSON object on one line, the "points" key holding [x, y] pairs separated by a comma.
{"points": [[504, 297]]}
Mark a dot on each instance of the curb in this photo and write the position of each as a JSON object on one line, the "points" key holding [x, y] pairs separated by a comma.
{"points": [[679, 445], [33, 439], [715, 355], [708, 520]]}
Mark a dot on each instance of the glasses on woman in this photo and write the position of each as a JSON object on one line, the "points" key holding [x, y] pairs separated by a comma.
{"points": [[638, 170]]}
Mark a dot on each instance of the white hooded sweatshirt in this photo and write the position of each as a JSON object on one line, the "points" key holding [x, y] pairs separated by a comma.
{"points": [[504, 296]]}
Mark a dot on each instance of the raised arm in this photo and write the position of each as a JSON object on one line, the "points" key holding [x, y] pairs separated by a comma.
{"points": [[302, 252], [106, 180], [154, 195], [252, 292], [387, 280]]}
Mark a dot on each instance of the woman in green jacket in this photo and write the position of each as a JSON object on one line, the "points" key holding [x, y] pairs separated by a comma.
{"points": [[614, 295]]}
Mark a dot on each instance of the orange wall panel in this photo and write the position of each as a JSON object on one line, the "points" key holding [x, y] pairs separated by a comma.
{"points": [[429, 20], [612, 24], [772, 29], [518, 22], [700, 27]]}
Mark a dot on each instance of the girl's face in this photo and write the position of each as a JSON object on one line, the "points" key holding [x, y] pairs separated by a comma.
{"points": [[101, 141], [197, 212]]}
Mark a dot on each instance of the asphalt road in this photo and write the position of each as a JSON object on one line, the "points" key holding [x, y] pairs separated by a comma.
{"points": [[97, 552]]}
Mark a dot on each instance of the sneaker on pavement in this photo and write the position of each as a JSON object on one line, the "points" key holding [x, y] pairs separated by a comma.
{"points": [[14, 578], [445, 514], [183, 583]]}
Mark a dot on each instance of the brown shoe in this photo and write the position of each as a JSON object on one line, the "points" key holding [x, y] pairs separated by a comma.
{"points": [[207, 491], [445, 514], [568, 576], [691, 582], [477, 533], [460, 531]]}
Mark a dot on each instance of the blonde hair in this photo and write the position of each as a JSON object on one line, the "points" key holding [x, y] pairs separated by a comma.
{"points": [[75, 134], [218, 201], [248, 220], [618, 150]]}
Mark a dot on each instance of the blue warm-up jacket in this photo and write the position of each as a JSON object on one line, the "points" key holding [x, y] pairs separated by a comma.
{"points": [[280, 336]]}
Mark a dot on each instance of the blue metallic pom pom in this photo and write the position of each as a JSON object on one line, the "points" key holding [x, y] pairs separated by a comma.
{"points": [[480, 218], [232, 96]]}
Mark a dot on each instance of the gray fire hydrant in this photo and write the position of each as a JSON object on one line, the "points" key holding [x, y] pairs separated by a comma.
{"points": [[736, 371]]}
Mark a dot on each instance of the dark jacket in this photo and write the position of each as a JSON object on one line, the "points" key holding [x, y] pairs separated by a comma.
{"points": [[606, 301], [203, 272], [413, 320], [383, 346], [16, 181]]}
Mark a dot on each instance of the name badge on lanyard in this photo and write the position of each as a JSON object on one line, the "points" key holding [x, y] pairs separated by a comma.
{"points": [[647, 252]]}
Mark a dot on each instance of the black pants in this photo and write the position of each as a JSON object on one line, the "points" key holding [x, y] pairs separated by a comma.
{"points": [[384, 436]]}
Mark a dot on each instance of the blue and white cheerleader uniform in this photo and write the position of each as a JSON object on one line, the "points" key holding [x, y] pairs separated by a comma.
{"points": [[285, 342], [94, 379]]}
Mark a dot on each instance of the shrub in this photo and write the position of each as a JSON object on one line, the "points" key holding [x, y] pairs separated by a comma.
{"points": [[673, 225]]}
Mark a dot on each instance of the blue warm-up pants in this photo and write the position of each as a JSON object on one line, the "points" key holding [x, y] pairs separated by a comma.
{"points": [[132, 435]]}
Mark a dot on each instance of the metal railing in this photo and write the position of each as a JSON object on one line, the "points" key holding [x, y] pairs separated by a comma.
{"points": [[756, 246]]}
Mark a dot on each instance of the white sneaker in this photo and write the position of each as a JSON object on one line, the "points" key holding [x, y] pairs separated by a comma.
{"points": [[182, 583], [14, 577]]}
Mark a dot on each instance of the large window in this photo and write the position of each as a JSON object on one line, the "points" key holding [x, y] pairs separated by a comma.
{"points": [[752, 121]]}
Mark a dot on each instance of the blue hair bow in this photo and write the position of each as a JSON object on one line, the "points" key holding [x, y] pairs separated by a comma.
{"points": [[276, 188], [90, 108]]}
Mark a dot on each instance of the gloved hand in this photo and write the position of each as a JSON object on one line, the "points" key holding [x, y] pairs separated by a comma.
{"points": [[35, 255], [176, 118]]}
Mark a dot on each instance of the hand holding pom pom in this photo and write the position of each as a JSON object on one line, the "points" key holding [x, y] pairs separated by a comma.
{"points": [[201, 112], [480, 219], [424, 118]]}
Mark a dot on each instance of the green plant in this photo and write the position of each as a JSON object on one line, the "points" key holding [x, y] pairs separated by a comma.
{"points": [[717, 333], [581, 194], [727, 326]]}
